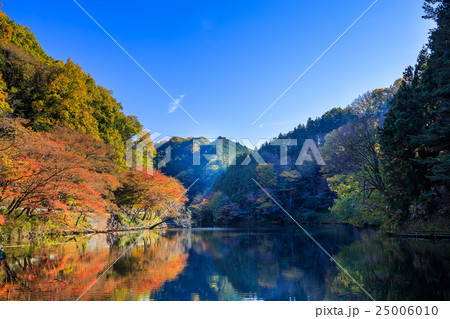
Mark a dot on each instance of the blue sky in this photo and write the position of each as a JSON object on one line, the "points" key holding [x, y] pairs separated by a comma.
{"points": [[227, 61]]}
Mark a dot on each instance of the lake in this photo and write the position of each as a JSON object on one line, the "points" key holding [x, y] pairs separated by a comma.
{"points": [[229, 264]]}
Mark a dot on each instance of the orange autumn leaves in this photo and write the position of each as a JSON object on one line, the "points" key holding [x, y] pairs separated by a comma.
{"points": [[55, 171], [152, 196], [67, 171], [65, 272], [148, 268]]}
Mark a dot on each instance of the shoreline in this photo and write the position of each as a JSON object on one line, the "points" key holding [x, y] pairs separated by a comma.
{"points": [[407, 235], [420, 235], [430, 235]]}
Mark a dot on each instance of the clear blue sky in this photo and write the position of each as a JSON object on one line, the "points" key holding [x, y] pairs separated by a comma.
{"points": [[230, 59]]}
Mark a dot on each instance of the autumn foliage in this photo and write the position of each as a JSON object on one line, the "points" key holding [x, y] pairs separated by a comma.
{"points": [[56, 171], [45, 174], [64, 272], [63, 146], [151, 198]]}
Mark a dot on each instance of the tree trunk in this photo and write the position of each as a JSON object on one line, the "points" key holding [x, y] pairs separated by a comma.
{"points": [[78, 219], [162, 222]]}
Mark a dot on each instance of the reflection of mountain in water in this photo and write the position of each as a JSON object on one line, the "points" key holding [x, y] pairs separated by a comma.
{"points": [[237, 264], [286, 265], [270, 265]]}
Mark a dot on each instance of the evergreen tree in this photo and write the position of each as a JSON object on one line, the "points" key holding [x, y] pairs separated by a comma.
{"points": [[404, 120], [415, 137], [436, 96]]}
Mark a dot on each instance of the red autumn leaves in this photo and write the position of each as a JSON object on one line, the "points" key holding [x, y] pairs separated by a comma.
{"points": [[59, 170], [67, 171]]}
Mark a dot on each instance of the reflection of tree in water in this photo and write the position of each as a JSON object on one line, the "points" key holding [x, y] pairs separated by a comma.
{"points": [[395, 269], [233, 265], [112, 239], [148, 265], [274, 265], [229, 265], [64, 272], [2, 255], [200, 281], [271, 265]]}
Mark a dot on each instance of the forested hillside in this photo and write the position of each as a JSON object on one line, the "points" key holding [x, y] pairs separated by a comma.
{"points": [[302, 189], [213, 158], [386, 157], [62, 148], [49, 93]]}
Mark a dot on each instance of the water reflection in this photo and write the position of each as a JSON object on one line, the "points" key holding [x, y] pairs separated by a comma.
{"points": [[396, 269], [64, 272], [229, 265], [2, 255]]}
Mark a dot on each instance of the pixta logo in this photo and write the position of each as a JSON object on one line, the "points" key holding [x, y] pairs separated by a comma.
{"points": [[308, 153], [141, 147]]}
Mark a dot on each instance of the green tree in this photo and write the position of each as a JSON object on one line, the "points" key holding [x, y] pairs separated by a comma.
{"points": [[290, 179], [416, 134], [436, 98], [4, 106], [265, 175], [405, 119], [353, 164]]}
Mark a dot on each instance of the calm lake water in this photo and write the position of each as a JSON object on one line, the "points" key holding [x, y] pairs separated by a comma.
{"points": [[229, 264]]}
